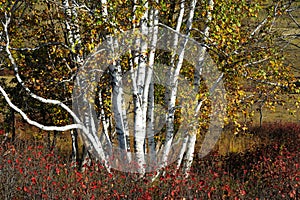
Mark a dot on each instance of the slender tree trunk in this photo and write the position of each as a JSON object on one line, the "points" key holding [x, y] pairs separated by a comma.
{"points": [[13, 125], [174, 74], [104, 137], [75, 152], [149, 87], [150, 126], [141, 98], [190, 152], [74, 41], [119, 110], [182, 151], [73, 33], [199, 69], [120, 115], [192, 137], [171, 102]]}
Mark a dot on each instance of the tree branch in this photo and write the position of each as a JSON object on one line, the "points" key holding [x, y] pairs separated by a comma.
{"points": [[255, 62], [34, 123], [293, 18], [12, 60]]}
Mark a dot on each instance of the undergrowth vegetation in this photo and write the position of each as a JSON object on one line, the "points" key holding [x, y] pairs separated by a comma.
{"points": [[28, 170]]}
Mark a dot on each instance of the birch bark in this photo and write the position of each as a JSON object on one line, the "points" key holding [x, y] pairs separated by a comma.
{"points": [[118, 96], [90, 141], [192, 136], [141, 98], [153, 21], [170, 116], [174, 74], [74, 41]]}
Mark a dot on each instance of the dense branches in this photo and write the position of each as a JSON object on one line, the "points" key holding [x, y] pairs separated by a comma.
{"points": [[133, 108]]}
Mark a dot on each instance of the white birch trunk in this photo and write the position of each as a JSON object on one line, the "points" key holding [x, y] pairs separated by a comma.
{"points": [[190, 152], [141, 98], [104, 137], [74, 42], [31, 94], [73, 34], [178, 26], [182, 151], [149, 86], [119, 110], [170, 118], [192, 138], [150, 126], [198, 71], [174, 85], [87, 113], [90, 136]]}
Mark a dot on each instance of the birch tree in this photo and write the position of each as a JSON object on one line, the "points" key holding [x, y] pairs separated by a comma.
{"points": [[152, 92]]}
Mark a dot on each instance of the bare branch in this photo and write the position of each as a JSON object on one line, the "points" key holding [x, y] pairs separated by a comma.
{"points": [[294, 20], [268, 83], [261, 24], [255, 62], [41, 126], [12, 60], [289, 43], [258, 27]]}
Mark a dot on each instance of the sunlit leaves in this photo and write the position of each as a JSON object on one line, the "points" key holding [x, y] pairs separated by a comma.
{"points": [[249, 63], [255, 74]]}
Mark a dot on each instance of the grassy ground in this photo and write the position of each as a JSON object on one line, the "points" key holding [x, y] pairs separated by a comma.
{"points": [[286, 113]]}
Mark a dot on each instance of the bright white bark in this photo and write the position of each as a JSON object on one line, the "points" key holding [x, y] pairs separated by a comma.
{"points": [[120, 115], [90, 141], [74, 42], [199, 69], [143, 80], [192, 137], [178, 26], [21, 82], [170, 117], [118, 107], [182, 151], [143, 90], [150, 125], [34, 123], [190, 151], [87, 113], [105, 124], [174, 74], [73, 34], [149, 86]]}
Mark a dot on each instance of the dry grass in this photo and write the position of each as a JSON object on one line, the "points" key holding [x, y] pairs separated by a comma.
{"points": [[7, 79]]}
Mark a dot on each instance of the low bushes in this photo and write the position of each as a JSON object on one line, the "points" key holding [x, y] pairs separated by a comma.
{"points": [[271, 171]]}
